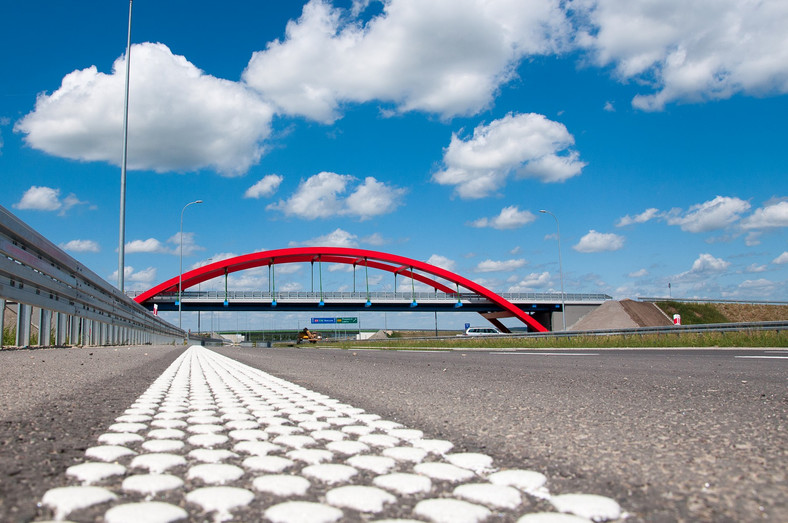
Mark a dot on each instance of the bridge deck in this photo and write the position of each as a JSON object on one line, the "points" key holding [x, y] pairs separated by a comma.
{"points": [[354, 301]]}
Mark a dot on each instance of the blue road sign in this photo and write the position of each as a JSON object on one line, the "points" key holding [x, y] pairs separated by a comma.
{"points": [[324, 320]]}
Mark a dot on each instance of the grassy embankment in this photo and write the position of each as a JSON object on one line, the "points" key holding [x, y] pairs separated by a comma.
{"points": [[691, 314]]}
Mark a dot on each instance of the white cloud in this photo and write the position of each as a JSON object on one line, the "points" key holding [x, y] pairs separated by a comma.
{"points": [[373, 198], [643, 217], [375, 239], [689, 51], [781, 259], [80, 246], [754, 267], [443, 262], [706, 263], [609, 107], [320, 196], [532, 281], [599, 242], [180, 119], [528, 145], [151, 245], [499, 266], [188, 247], [444, 56], [769, 216], [638, 274], [265, 187], [139, 280], [40, 199], [336, 238], [510, 217], [711, 215]]}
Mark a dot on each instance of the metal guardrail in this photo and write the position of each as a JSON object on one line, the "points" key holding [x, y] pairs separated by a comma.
{"points": [[699, 300], [35, 273], [669, 329]]}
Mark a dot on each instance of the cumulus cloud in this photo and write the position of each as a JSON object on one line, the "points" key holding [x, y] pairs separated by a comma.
{"points": [[375, 239], [321, 196], [499, 266], [638, 274], [265, 187], [180, 119], [80, 246], [151, 245], [447, 57], [39, 198], [534, 280], [336, 238], [172, 246], [510, 217], [599, 242], [443, 262], [688, 51], [526, 145], [781, 259], [768, 217], [139, 279], [711, 215], [645, 216], [706, 263]]}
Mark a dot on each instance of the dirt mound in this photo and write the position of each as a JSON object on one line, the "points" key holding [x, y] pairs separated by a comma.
{"points": [[625, 314]]}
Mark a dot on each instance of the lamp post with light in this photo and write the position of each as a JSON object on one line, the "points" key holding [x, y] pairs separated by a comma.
{"points": [[180, 273], [560, 266]]}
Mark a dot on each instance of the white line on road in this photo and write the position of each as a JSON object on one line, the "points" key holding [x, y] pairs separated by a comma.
{"points": [[763, 357], [546, 353], [213, 438]]}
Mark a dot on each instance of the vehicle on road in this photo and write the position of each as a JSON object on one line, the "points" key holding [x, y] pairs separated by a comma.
{"points": [[481, 331], [307, 335]]}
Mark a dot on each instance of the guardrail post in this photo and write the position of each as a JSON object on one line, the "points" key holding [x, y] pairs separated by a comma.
{"points": [[74, 332], [2, 321], [23, 314], [44, 328]]}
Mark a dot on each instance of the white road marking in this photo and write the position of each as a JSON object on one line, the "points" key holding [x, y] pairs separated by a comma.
{"points": [[763, 357], [210, 436], [545, 353]]}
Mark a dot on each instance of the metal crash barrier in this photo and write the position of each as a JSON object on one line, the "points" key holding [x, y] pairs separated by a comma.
{"points": [[58, 301]]}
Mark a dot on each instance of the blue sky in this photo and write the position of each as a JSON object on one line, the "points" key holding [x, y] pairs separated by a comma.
{"points": [[434, 130]]}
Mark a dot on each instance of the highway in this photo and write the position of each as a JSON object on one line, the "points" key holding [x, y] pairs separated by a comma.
{"points": [[662, 435]]}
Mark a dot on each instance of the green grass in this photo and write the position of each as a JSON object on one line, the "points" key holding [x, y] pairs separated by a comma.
{"points": [[693, 313], [678, 339]]}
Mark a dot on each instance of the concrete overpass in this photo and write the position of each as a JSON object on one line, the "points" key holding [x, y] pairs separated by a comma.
{"points": [[546, 308]]}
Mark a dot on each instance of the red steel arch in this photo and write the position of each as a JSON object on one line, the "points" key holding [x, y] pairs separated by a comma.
{"points": [[373, 259]]}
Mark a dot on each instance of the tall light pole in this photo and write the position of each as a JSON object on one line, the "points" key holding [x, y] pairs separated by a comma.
{"points": [[560, 266], [180, 274], [122, 234]]}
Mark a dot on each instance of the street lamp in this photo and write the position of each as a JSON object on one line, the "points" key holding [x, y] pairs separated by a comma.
{"points": [[560, 267], [180, 274], [122, 232]]}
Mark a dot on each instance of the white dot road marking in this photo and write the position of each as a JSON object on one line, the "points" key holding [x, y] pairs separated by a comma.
{"points": [[211, 435]]}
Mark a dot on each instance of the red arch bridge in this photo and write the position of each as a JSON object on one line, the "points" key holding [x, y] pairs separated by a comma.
{"points": [[451, 292]]}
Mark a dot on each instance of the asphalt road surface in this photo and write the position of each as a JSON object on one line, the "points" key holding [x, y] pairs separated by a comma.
{"points": [[670, 435]]}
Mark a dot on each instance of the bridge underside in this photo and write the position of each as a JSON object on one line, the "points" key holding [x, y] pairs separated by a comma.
{"points": [[541, 312]]}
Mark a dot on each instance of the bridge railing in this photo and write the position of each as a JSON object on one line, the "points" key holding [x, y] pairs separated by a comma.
{"points": [[65, 301], [545, 297]]}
